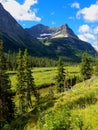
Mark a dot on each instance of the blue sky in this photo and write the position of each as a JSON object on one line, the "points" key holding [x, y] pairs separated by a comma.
{"points": [[80, 15]]}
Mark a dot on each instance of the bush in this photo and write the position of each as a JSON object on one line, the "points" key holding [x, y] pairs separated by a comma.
{"points": [[55, 120]]}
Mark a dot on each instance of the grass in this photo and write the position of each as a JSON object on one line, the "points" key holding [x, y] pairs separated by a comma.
{"points": [[44, 76], [76, 109], [82, 103]]}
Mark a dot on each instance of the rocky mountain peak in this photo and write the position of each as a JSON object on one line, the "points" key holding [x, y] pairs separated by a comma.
{"points": [[41, 31]]}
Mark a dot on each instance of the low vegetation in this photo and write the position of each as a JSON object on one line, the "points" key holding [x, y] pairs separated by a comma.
{"points": [[75, 109], [51, 98]]}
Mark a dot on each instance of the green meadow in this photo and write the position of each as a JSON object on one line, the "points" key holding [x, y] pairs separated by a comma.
{"points": [[75, 109], [45, 76]]}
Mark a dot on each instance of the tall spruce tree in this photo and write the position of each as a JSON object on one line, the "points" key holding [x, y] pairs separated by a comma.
{"points": [[28, 80], [6, 95], [20, 83], [86, 66], [25, 82], [60, 76], [96, 65]]}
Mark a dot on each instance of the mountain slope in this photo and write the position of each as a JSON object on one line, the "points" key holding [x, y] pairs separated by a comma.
{"points": [[15, 37], [71, 49]]}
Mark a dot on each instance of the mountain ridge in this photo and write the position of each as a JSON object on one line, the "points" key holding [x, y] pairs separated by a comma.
{"points": [[62, 41], [41, 31], [15, 37]]}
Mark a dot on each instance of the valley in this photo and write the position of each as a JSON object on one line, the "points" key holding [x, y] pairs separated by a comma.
{"points": [[48, 78]]}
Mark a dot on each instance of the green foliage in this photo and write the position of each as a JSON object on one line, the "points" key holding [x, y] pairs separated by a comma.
{"points": [[34, 61], [60, 76], [96, 65], [75, 110], [6, 103], [20, 83], [86, 66], [42, 62], [55, 120], [28, 80], [25, 82]]}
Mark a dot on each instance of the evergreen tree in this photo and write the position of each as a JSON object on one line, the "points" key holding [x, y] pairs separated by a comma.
{"points": [[20, 83], [25, 85], [60, 76], [86, 66], [6, 103], [96, 66], [28, 80]]}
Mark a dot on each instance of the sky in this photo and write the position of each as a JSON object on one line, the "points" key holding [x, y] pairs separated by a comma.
{"points": [[80, 15]]}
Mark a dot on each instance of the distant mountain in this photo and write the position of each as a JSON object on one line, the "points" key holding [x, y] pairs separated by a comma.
{"points": [[41, 31], [61, 41], [15, 37]]}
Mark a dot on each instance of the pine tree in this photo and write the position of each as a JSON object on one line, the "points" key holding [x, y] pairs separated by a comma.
{"points": [[28, 80], [20, 83], [6, 95], [25, 85], [96, 66], [60, 76], [86, 66]]}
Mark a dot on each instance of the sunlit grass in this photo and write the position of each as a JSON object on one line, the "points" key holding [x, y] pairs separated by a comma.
{"points": [[81, 100], [44, 76]]}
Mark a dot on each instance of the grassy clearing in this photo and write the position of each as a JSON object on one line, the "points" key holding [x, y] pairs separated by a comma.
{"points": [[76, 109], [45, 76], [80, 106]]}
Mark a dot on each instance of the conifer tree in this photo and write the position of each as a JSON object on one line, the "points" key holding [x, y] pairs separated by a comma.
{"points": [[60, 76], [20, 83], [6, 103], [25, 85], [28, 79], [86, 66], [96, 66]]}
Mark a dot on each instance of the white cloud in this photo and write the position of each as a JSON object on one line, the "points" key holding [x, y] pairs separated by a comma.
{"points": [[84, 28], [87, 37], [86, 33], [21, 11], [82, 37], [96, 30], [75, 5], [89, 14]]}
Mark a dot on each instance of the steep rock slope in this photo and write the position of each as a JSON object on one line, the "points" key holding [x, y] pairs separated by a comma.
{"points": [[15, 37]]}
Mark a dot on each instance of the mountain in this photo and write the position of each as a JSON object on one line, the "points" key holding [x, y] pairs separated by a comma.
{"points": [[15, 37], [41, 31], [61, 41], [71, 49], [41, 40]]}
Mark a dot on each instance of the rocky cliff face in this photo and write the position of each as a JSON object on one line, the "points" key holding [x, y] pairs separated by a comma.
{"points": [[41, 31]]}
